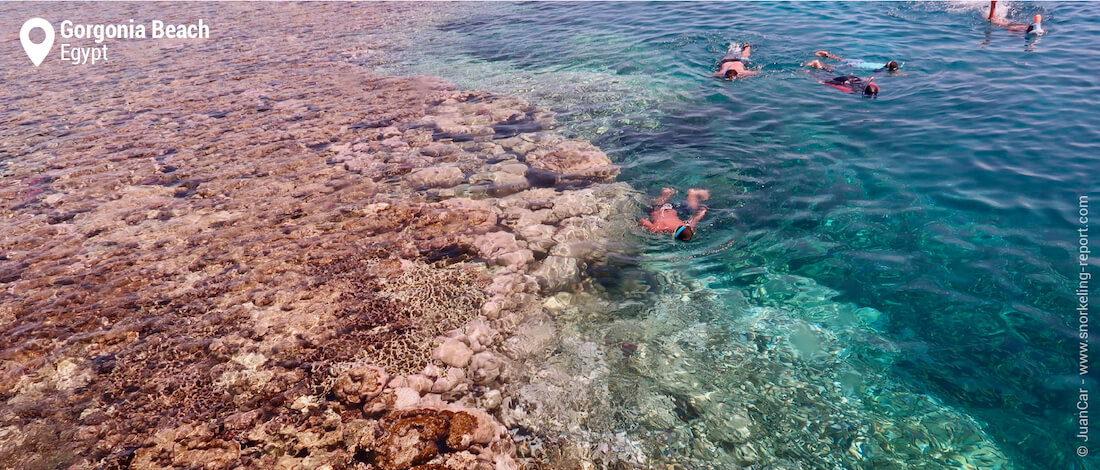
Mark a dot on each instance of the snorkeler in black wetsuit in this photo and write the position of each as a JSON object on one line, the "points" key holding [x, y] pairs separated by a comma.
{"points": [[853, 84]]}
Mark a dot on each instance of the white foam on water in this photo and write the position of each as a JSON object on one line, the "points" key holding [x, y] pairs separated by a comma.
{"points": [[978, 7]]}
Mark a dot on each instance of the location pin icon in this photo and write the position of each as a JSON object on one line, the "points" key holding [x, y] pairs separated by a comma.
{"points": [[37, 52]]}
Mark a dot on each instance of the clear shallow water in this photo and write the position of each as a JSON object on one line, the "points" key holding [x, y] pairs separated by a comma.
{"points": [[945, 207]]}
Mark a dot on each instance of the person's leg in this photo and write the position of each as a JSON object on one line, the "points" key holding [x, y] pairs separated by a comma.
{"points": [[696, 195]]}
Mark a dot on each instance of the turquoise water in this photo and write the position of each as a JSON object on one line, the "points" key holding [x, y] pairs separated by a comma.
{"points": [[946, 207]]}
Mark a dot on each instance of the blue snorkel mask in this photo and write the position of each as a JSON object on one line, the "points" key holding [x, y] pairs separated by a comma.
{"points": [[679, 231]]}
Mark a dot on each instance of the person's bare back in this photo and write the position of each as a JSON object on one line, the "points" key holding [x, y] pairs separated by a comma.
{"points": [[734, 67]]}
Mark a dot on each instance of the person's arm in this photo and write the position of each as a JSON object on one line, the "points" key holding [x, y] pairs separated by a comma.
{"points": [[698, 216], [646, 223], [992, 8], [827, 55], [818, 65]]}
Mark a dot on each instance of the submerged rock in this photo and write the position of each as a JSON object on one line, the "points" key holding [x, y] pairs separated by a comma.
{"points": [[557, 272], [435, 177], [573, 159]]}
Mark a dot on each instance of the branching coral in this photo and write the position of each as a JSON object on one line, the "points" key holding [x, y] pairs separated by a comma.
{"points": [[391, 312]]}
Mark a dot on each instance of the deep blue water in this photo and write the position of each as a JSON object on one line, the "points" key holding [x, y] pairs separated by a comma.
{"points": [[949, 203]]}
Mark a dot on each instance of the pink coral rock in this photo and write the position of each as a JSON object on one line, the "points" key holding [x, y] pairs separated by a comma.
{"points": [[454, 353], [405, 398]]}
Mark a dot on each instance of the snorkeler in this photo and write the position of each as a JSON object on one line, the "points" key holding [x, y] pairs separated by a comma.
{"points": [[1036, 27], [890, 66], [845, 83], [664, 219], [733, 66], [853, 84]]}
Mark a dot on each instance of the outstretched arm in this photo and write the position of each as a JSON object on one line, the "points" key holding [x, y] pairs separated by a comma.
{"points": [[827, 55], [698, 216]]}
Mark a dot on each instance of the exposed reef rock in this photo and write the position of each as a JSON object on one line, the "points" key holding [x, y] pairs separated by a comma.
{"points": [[286, 269]]}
